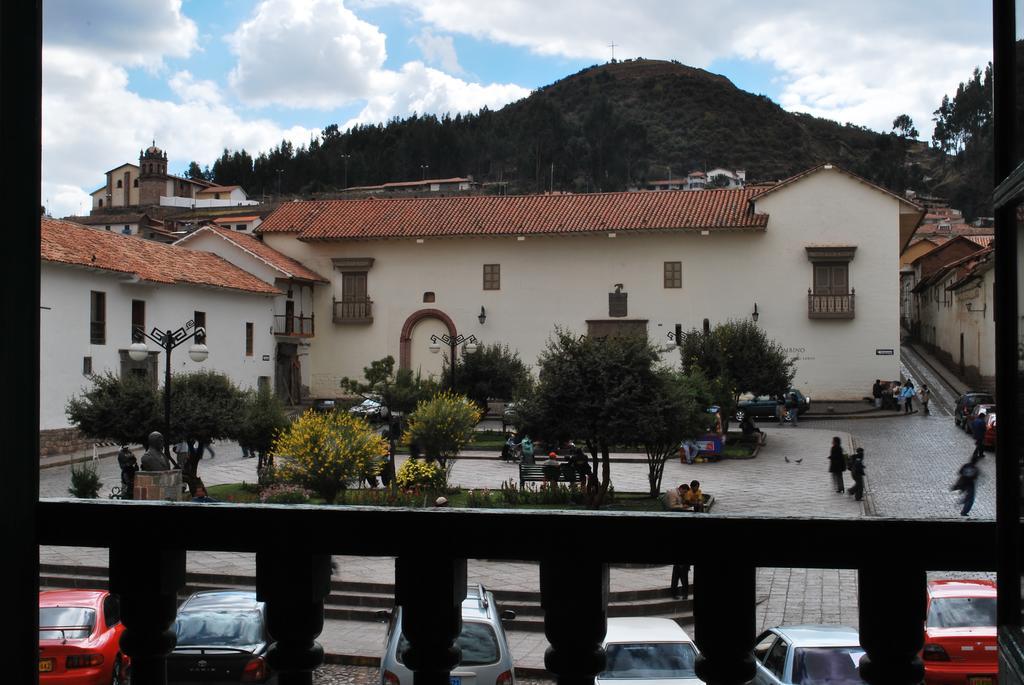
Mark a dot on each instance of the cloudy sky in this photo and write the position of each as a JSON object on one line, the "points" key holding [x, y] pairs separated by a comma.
{"points": [[199, 76]]}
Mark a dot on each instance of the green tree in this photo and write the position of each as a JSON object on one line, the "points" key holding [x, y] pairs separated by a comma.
{"points": [[442, 426], [205, 406], [325, 451], [904, 127], [124, 409], [492, 371], [262, 420], [737, 357], [594, 390], [676, 409]]}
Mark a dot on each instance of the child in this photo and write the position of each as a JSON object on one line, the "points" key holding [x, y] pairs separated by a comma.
{"points": [[857, 471], [677, 500], [694, 497]]}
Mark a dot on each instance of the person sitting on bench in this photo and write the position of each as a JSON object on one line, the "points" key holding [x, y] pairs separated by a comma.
{"points": [[751, 433]]}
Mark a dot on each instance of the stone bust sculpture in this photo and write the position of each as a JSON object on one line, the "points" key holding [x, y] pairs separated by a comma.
{"points": [[154, 459]]}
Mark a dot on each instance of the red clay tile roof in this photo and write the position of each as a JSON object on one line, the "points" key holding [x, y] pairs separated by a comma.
{"points": [[235, 219], [257, 248], [983, 240], [516, 215], [68, 243], [215, 189]]}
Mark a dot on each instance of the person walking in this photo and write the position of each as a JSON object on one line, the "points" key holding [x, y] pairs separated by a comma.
{"points": [[793, 406], [680, 576], [965, 483], [876, 393], [978, 426], [857, 471], [837, 464], [924, 396], [907, 395]]}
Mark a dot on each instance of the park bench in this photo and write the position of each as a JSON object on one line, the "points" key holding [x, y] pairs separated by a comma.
{"points": [[535, 472]]}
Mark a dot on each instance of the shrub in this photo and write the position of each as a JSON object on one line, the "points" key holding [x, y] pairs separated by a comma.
{"points": [[324, 451], [285, 494], [390, 497], [531, 493], [442, 426], [419, 474], [85, 482], [480, 499]]}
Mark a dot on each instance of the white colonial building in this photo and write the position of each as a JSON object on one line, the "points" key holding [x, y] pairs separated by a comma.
{"points": [[98, 287], [815, 257]]}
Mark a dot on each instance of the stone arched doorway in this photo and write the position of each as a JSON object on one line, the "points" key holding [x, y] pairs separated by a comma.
{"points": [[409, 355]]}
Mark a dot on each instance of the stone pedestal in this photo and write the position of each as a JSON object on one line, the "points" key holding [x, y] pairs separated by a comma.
{"points": [[158, 485]]}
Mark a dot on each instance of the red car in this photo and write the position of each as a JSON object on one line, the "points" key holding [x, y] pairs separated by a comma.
{"points": [[960, 633], [989, 440], [79, 634]]}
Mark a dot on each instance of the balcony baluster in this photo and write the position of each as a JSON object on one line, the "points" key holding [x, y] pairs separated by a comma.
{"points": [[723, 610], [294, 585], [574, 595], [147, 580], [892, 604], [430, 590]]}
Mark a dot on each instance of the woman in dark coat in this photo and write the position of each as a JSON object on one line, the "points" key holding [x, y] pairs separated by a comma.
{"points": [[837, 464]]}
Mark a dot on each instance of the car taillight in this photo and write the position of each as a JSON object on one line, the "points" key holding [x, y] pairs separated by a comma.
{"points": [[255, 671], [934, 652], [504, 679], [390, 678], [83, 660]]}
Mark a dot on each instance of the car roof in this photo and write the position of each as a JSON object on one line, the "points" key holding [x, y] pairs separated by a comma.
{"points": [[644, 629], [820, 635], [962, 588], [478, 603], [221, 600], [71, 598]]}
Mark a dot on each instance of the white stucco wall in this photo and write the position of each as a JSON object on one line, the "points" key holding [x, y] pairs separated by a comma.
{"points": [[65, 341], [945, 318], [565, 280]]}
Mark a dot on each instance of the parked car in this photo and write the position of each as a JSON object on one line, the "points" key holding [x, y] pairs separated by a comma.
{"points": [[222, 638], [978, 409], [79, 636], [648, 649], [966, 403], [370, 409], [508, 413], [808, 654], [486, 659], [765, 406], [324, 405], [960, 633]]}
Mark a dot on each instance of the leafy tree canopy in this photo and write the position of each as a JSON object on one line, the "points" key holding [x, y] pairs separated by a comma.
{"points": [[125, 410], [492, 371]]}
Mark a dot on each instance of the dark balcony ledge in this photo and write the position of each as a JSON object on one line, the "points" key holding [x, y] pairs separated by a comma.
{"points": [[831, 306], [830, 315], [292, 334], [353, 319], [519, 535]]}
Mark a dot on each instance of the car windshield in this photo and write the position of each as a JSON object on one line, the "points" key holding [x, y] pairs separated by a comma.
{"points": [[827, 665], [477, 641], [219, 628], [637, 660], [76, 623], [962, 612]]}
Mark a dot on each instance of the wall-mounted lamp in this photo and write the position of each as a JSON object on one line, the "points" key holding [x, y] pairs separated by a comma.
{"points": [[971, 308], [483, 316], [754, 314]]}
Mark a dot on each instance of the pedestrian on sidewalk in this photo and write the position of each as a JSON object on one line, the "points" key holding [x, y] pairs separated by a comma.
{"points": [[837, 464], [680, 576], [978, 426], [924, 395], [857, 471], [209, 448], [876, 393], [907, 395], [793, 407], [965, 483]]}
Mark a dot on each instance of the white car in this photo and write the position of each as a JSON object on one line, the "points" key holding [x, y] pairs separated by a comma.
{"points": [[370, 409], [648, 650], [808, 655]]}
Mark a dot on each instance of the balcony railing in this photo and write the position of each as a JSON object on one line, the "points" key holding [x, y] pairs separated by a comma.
{"points": [[830, 306], [353, 310], [294, 544], [298, 326]]}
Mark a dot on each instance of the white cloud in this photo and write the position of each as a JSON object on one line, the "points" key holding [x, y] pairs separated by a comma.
{"points": [[861, 62], [438, 51], [125, 32], [92, 122], [318, 54], [188, 89]]}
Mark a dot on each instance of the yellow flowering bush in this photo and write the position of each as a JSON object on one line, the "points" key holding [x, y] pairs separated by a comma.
{"points": [[323, 451], [443, 425], [415, 473]]}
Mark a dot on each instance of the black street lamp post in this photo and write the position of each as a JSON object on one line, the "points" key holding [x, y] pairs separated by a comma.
{"points": [[168, 340], [453, 342]]}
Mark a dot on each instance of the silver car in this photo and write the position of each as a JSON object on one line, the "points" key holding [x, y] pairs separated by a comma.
{"points": [[808, 655], [486, 659], [648, 651]]}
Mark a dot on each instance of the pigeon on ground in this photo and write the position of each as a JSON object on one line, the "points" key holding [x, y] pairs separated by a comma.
{"points": [[786, 458], [799, 460]]}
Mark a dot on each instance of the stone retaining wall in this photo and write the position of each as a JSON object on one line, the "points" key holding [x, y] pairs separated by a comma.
{"points": [[158, 485], [65, 441]]}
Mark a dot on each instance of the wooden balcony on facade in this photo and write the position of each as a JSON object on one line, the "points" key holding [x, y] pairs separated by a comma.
{"points": [[294, 326], [830, 306], [356, 310]]}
